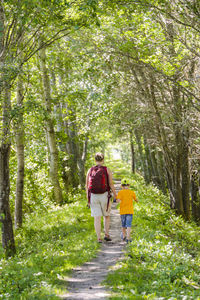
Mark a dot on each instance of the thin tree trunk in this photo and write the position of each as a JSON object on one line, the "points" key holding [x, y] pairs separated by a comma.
{"points": [[161, 172], [172, 170], [154, 162], [19, 136], [50, 131], [60, 129], [83, 156], [5, 215], [62, 148], [177, 112], [178, 144], [195, 195], [8, 241], [185, 175], [148, 159], [71, 146], [81, 163], [132, 152], [142, 158]]}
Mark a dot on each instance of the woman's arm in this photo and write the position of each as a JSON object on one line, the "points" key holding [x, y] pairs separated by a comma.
{"points": [[87, 179]]}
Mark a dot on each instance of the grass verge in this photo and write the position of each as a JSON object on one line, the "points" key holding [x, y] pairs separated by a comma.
{"points": [[49, 246], [163, 260]]}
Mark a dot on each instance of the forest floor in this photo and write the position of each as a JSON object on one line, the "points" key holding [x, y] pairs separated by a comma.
{"points": [[86, 281]]}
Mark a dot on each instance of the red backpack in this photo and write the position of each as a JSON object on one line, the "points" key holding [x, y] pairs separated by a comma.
{"points": [[98, 180]]}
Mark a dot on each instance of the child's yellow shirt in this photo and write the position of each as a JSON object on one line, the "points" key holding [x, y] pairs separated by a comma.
{"points": [[126, 204]]}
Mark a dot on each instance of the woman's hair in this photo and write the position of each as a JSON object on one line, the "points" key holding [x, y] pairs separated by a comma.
{"points": [[99, 156]]}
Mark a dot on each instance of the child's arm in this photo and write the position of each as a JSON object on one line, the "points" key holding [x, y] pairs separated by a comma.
{"points": [[134, 197]]}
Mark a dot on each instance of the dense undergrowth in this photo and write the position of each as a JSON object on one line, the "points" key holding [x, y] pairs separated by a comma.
{"points": [[49, 246], [163, 260]]}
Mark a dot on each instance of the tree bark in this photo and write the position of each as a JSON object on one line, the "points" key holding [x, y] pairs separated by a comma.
{"points": [[195, 195], [72, 147], [185, 174], [19, 137], [83, 155], [5, 215], [8, 241], [132, 152], [148, 159], [81, 163], [50, 131], [161, 172], [142, 156]]}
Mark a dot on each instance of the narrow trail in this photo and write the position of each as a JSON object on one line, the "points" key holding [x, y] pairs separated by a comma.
{"points": [[85, 281]]}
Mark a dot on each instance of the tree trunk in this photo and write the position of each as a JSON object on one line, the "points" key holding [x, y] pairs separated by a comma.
{"points": [[60, 130], [62, 148], [72, 145], [195, 195], [132, 152], [19, 136], [83, 156], [185, 174], [50, 131], [148, 159], [8, 241], [161, 172], [81, 163], [142, 156], [178, 146], [5, 215]]}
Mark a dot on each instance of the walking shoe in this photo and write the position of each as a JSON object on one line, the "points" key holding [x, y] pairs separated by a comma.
{"points": [[107, 238], [128, 241]]}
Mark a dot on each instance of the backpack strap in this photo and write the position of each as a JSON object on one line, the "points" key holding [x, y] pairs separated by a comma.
{"points": [[109, 192]]}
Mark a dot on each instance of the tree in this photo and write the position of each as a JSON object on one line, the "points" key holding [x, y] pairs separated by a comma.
{"points": [[164, 89], [19, 137], [28, 21], [51, 139]]}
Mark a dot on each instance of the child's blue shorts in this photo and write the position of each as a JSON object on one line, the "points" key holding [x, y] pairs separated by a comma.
{"points": [[126, 220]]}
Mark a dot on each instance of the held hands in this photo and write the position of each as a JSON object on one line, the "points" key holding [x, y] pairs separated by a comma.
{"points": [[116, 200]]}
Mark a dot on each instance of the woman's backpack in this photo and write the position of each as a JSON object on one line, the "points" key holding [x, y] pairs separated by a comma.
{"points": [[98, 180]]}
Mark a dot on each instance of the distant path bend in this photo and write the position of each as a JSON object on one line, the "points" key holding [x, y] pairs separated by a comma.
{"points": [[85, 281]]}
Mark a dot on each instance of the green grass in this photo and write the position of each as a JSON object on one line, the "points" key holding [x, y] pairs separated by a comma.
{"points": [[163, 260], [49, 246]]}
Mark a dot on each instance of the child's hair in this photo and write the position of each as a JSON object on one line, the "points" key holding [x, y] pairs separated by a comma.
{"points": [[99, 156]]}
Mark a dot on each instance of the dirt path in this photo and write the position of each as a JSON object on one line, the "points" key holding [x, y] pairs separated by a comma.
{"points": [[85, 282]]}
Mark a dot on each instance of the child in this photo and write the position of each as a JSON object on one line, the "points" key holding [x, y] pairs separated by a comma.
{"points": [[126, 197]]}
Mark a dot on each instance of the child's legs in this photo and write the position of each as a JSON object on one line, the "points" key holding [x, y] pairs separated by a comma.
{"points": [[123, 220], [128, 233], [129, 219], [124, 231]]}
